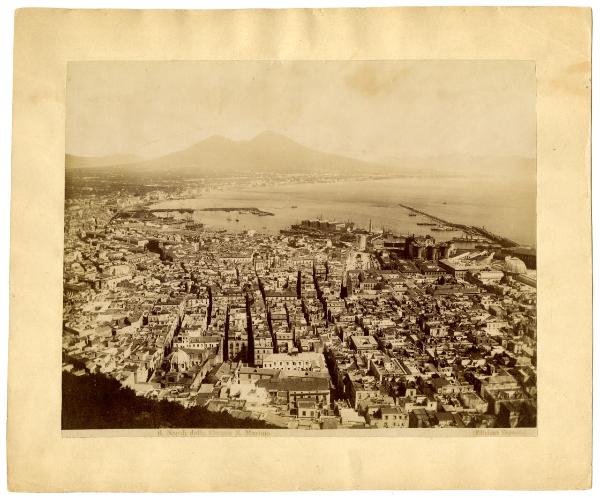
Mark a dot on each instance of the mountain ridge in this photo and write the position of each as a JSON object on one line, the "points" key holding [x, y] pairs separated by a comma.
{"points": [[267, 152], [273, 153]]}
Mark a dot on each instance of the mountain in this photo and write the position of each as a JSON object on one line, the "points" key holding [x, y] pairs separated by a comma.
{"points": [[80, 162], [271, 153], [267, 153]]}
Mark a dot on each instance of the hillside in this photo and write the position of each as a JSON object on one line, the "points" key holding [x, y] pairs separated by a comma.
{"points": [[99, 402]]}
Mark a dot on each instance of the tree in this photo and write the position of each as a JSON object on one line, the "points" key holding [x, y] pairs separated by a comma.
{"points": [[99, 402]]}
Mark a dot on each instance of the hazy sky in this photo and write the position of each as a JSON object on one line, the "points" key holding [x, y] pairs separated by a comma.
{"points": [[369, 110]]}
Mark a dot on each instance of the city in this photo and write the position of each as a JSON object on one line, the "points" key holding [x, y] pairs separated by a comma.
{"points": [[324, 325]]}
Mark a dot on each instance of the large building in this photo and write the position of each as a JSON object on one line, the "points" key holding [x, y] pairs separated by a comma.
{"points": [[525, 254], [306, 361], [290, 391], [461, 264]]}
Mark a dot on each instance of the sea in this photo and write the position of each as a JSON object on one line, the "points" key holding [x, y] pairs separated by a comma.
{"points": [[504, 206]]}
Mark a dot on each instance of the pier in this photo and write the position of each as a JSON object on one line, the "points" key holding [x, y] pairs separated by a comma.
{"points": [[471, 230]]}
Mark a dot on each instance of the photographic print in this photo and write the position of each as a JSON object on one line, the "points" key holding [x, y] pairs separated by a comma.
{"points": [[300, 245]]}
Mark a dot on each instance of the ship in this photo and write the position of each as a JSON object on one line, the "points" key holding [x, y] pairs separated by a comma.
{"points": [[426, 224], [412, 214], [294, 207]]}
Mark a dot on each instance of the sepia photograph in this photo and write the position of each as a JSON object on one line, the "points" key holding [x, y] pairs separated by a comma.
{"points": [[300, 245]]}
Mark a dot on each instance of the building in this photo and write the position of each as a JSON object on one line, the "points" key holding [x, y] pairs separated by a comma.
{"points": [[288, 391], [525, 254], [363, 343], [514, 266], [430, 269], [458, 266], [196, 342], [362, 242], [263, 346], [306, 361], [389, 417]]}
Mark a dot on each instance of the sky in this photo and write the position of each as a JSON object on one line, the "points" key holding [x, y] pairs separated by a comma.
{"points": [[371, 110]]}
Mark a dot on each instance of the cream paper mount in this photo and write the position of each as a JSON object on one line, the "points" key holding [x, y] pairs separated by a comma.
{"points": [[556, 455]]}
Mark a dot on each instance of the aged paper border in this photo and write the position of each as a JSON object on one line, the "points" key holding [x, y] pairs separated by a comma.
{"points": [[41, 459]]}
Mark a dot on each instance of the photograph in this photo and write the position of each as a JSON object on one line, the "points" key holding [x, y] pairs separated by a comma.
{"points": [[300, 245]]}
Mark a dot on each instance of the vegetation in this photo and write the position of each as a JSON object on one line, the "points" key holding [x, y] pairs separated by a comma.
{"points": [[99, 402]]}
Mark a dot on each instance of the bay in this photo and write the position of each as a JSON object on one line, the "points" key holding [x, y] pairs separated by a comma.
{"points": [[505, 206]]}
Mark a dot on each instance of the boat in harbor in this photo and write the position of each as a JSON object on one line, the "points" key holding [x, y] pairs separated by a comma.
{"points": [[412, 214], [427, 224]]}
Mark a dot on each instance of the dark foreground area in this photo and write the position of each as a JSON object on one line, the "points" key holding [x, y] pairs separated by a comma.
{"points": [[100, 402]]}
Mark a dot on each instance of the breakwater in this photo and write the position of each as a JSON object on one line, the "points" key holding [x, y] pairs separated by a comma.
{"points": [[468, 229]]}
